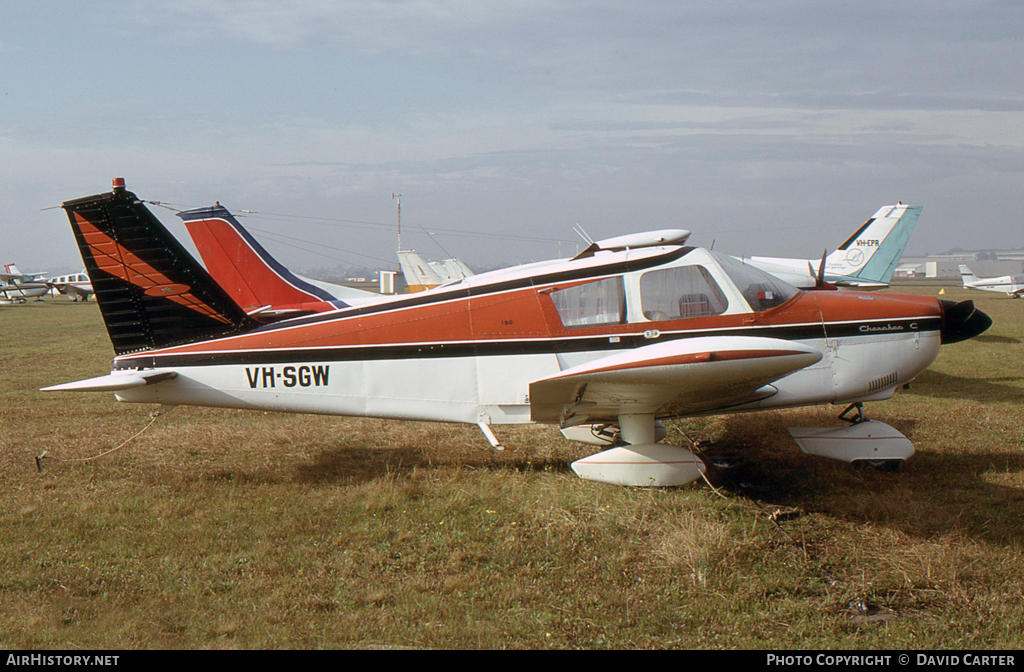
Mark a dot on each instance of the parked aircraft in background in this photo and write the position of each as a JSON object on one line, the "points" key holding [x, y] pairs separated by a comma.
{"points": [[421, 275], [18, 287], [75, 286], [633, 330], [866, 260], [255, 280], [1011, 285]]}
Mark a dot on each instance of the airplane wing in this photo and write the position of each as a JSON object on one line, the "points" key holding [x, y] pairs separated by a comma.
{"points": [[667, 379], [69, 289]]}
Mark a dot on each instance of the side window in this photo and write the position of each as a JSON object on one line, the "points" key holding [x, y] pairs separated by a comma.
{"points": [[593, 304], [680, 292]]}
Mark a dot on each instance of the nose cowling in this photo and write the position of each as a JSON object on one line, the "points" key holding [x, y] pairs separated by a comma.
{"points": [[961, 321]]}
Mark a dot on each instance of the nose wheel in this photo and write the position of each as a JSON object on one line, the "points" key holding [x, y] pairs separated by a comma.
{"points": [[862, 442]]}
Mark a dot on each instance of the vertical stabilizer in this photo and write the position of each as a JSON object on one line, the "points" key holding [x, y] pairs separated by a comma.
{"points": [[967, 275], [872, 253], [418, 273], [151, 291]]}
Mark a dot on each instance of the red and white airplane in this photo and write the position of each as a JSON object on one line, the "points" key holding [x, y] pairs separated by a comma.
{"points": [[633, 330]]}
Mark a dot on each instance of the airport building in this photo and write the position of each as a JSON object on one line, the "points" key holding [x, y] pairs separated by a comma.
{"points": [[984, 263]]}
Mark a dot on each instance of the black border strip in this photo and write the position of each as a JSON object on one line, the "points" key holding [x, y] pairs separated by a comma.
{"points": [[603, 342]]}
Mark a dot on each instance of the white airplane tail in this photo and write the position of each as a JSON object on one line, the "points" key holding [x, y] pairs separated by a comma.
{"points": [[419, 275], [872, 253], [451, 269], [967, 275]]}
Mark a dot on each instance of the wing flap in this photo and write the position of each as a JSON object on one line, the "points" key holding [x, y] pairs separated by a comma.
{"points": [[668, 379]]}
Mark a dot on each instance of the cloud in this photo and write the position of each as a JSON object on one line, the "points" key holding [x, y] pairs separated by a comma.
{"points": [[527, 115]]}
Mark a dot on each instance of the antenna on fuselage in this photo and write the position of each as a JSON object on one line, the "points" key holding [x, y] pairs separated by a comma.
{"points": [[398, 197], [583, 234]]}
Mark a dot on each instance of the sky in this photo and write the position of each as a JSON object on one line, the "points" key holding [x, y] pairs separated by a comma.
{"points": [[764, 128]]}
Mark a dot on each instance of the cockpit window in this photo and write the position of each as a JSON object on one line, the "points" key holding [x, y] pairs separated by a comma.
{"points": [[592, 304], [680, 292], [761, 290]]}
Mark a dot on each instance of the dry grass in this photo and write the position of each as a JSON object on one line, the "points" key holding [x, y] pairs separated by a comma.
{"points": [[229, 529]]}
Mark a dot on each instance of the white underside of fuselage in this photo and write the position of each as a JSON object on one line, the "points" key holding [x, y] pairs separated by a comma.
{"points": [[495, 389]]}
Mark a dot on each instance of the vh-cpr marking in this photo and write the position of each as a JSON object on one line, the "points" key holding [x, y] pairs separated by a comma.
{"points": [[289, 376]]}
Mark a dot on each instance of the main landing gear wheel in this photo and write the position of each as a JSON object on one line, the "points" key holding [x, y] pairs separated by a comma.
{"points": [[641, 463]]}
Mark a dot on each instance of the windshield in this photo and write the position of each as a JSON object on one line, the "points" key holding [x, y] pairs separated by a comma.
{"points": [[761, 290]]}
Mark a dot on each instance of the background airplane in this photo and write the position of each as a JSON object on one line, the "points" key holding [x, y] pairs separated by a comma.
{"points": [[632, 330], [1011, 285], [76, 286], [866, 260], [421, 275], [252, 277], [18, 287]]}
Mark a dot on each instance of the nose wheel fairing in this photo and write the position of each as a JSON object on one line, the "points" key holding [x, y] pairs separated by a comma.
{"points": [[869, 441], [862, 440]]}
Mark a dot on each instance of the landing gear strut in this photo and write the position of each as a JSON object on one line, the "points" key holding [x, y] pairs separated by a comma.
{"points": [[858, 409]]}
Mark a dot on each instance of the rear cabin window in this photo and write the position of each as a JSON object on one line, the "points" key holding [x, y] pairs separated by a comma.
{"points": [[680, 292], [591, 305]]}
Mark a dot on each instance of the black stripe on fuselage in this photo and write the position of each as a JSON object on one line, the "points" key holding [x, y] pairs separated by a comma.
{"points": [[492, 348]]}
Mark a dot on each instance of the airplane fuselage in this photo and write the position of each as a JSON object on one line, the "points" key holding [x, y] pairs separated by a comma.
{"points": [[22, 291], [469, 352], [1011, 285]]}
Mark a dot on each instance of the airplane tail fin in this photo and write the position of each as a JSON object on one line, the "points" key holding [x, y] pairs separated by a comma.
{"points": [[152, 293], [455, 269], [873, 252], [418, 273], [246, 270], [967, 275]]}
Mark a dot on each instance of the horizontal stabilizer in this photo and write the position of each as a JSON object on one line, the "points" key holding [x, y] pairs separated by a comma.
{"points": [[112, 382], [654, 465], [869, 440]]}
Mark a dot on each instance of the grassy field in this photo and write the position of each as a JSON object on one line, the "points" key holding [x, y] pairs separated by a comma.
{"points": [[230, 529]]}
